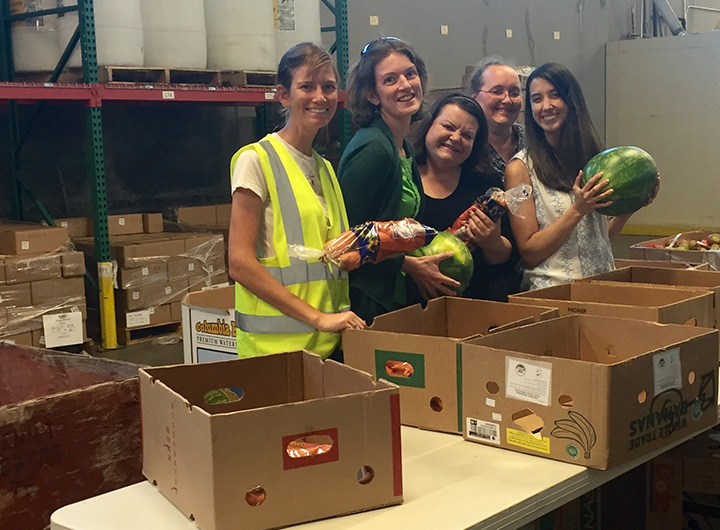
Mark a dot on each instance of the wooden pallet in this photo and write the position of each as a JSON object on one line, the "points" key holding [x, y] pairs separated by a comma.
{"points": [[127, 337], [69, 75], [186, 76]]}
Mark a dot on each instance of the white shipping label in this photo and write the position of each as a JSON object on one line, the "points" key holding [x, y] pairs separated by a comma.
{"points": [[136, 295], [25, 245], [285, 15], [121, 221], [168, 290], [667, 372], [490, 402], [191, 266], [496, 416], [137, 319], [528, 380], [145, 271], [62, 329], [484, 431]]}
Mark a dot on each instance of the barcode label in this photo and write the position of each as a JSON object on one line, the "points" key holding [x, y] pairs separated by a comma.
{"points": [[483, 430]]}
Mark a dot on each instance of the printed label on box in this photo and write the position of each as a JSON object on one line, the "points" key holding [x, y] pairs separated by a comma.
{"points": [[121, 221], [528, 440], [136, 295], [25, 245], [62, 329], [168, 290], [191, 266], [137, 319], [667, 372], [528, 381], [145, 271], [483, 430]]}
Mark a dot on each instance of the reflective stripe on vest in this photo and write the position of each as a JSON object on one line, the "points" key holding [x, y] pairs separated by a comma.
{"points": [[299, 271], [272, 324]]}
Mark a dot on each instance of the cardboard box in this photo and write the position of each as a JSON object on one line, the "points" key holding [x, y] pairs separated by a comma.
{"points": [[154, 316], [31, 239], [223, 213], [76, 226], [205, 247], [17, 295], [135, 277], [2, 271], [176, 312], [73, 264], [649, 250], [595, 391], [682, 278], [208, 324], [197, 215], [143, 251], [125, 224], [152, 223], [621, 263], [57, 290], [29, 318], [153, 295], [426, 342], [69, 430], [30, 268], [182, 268], [19, 339], [235, 466], [668, 305]]}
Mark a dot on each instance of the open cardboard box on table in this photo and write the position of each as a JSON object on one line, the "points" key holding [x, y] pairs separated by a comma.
{"points": [[426, 341], [653, 250], [683, 278], [670, 305], [236, 463], [595, 391]]}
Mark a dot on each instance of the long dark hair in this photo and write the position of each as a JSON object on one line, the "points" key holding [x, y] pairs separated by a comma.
{"points": [[477, 160], [557, 168], [361, 77]]}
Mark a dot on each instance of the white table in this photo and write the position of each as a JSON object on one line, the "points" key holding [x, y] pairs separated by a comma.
{"points": [[448, 483]]}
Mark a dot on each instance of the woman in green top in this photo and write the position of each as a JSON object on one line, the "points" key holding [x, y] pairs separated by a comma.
{"points": [[378, 174]]}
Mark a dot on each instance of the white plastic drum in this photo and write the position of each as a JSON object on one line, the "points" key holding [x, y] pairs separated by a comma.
{"points": [[240, 35], [118, 32], [34, 40], [174, 33], [296, 21]]}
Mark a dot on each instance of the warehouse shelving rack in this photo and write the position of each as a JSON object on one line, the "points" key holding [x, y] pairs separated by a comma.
{"points": [[92, 94]]}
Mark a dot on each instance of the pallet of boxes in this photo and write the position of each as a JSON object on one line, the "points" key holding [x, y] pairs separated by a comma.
{"points": [[212, 218], [154, 270], [42, 291]]}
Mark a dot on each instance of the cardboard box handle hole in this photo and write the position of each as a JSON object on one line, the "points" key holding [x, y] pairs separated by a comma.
{"points": [[219, 396], [492, 387], [566, 401], [309, 446], [642, 397], [365, 475], [255, 496], [436, 404], [399, 368]]}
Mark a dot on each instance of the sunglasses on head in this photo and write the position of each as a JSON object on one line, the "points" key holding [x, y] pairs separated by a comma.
{"points": [[369, 44]]}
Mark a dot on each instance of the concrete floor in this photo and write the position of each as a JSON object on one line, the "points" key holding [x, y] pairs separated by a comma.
{"points": [[167, 350]]}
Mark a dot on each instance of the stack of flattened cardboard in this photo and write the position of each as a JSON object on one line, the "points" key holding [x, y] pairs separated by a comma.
{"points": [[154, 271], [42, 291]]}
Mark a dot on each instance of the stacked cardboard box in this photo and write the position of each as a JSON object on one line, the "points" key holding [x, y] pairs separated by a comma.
{"points": [[657, 249], [213, 218], [42, 291], [154, 271]]}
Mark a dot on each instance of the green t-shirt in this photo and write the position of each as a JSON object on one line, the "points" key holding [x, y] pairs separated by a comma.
{"points": [[410, 200]]}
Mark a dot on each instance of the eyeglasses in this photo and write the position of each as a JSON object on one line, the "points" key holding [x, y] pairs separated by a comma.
{"points": [[367, 46], [499, 93]]}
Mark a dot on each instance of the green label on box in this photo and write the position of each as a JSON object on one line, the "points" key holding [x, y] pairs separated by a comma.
{"points": [[401, 368]]}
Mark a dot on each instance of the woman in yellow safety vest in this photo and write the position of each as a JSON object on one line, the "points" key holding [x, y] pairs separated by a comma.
{"points": [[285, 194]]}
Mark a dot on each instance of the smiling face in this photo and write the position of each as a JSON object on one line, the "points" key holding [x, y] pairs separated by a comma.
{"points": [[449, 140], [549, 110], [398, 89], [313, 97], [500, 95]]}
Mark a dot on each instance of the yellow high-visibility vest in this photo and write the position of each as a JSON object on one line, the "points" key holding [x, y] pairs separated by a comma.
{"points": [[298, 219]]}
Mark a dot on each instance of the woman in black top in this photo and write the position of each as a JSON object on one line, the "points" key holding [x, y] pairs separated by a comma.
{"points": [[451, 153]]}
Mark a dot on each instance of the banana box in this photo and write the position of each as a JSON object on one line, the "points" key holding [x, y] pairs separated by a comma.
{"points": [[590, 390]]}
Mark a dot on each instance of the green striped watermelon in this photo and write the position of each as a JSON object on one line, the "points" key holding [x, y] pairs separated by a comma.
{"points": [[632, 174], [460, 267]]}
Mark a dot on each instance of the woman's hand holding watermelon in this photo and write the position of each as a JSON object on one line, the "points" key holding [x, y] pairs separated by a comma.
{"points": [[425, 271], [592, 195]]}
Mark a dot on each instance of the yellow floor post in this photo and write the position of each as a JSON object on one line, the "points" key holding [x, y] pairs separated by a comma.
{"points": [[107, 306]]}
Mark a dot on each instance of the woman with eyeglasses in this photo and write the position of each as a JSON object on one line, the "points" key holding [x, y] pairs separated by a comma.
{"points": [[378, 174], [450, 147], [561, 237], [284, 193], [495, 85]]}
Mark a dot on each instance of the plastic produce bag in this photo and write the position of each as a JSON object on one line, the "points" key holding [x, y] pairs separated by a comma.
{"points": [[493, 203], [369, 242]]}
